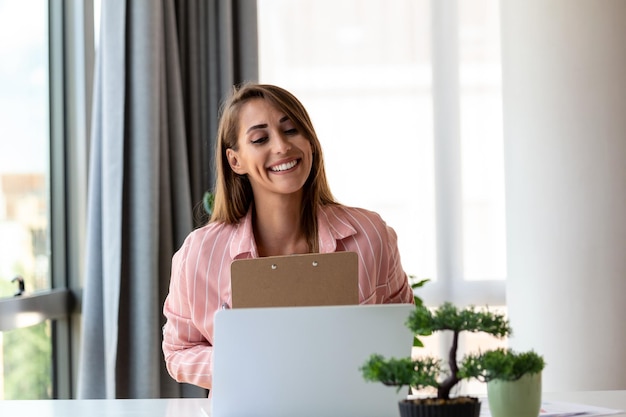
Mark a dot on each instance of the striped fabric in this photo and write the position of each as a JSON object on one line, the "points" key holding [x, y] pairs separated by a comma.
{"points": [[200, 282]]}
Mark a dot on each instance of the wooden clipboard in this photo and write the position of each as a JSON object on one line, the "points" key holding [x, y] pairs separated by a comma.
{"points": [[313, 279]]}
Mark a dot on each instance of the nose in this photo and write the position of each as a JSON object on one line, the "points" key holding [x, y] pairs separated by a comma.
{"points": [[281, 143]]}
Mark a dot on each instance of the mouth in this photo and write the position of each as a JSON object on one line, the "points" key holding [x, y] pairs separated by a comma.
{"points": [[286, 166]]}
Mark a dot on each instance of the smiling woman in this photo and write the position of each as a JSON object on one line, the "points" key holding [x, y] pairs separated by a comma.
{"points": [[271, 199]]}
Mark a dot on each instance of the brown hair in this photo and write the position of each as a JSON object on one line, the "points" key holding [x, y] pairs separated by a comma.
{"points": [[233, 192]]}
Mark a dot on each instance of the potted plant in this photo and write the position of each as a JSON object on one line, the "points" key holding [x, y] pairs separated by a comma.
{"points": [[441, 374], [513, 381]]}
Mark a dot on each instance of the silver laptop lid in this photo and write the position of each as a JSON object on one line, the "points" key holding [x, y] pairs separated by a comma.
{"points": [[304, 361]]}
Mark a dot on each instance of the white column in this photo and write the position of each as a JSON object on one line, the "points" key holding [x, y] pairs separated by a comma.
{"points": [[564, 88]]}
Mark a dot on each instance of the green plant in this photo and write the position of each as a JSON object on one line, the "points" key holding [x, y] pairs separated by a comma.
{"points": [[503, 364], [434, 372], [416, 284], [208, 201]]}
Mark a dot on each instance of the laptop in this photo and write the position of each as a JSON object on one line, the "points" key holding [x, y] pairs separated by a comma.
{"points": [[310, 279], [304, 361]]}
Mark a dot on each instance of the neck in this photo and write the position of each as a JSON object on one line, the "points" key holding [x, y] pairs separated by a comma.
{"points": [[278, 227]]}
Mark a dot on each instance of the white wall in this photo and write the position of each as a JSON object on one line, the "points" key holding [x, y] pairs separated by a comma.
{"points": [[564, 83]]}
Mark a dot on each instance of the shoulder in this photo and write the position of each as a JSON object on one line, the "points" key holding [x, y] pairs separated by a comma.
{"points": [[208, 234], [209, 229], [204, 248], [356, 216], [355, 221], [358, 229]]}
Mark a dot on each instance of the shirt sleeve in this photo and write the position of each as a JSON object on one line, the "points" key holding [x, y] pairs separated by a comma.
{"points": [[188, 354], [382, 279], [399, 288]]}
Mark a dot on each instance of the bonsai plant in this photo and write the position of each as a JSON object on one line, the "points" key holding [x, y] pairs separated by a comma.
{"points": [[513, 381], [435, 372]]}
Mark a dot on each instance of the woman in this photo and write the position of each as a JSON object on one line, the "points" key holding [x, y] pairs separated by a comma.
{"points": [[271, 198]]}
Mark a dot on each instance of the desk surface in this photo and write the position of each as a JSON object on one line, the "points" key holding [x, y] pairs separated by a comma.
{"points": [[608, 399], [192, 407]]}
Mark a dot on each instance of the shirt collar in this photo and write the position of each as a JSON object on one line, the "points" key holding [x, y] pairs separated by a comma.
{"points": [[331, 227], [243, 244]]}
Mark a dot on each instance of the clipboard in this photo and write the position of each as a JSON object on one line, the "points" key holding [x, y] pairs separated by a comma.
{"points": [[312, 279]]}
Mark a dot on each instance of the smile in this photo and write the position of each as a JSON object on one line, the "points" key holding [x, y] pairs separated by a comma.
{"points": [[284, 167]]}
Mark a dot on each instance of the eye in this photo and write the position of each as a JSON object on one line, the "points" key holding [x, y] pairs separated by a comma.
{"points": [[291, 132], [259, 141]]}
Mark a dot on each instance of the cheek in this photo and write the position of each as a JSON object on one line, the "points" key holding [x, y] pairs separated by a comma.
{"points": [[311, 156], [308, 147]]}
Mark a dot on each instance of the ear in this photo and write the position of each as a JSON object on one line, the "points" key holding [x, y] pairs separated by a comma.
{"points": [[233, 161]]}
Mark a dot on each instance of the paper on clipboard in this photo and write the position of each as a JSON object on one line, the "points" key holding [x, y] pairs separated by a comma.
{"points": [[312, 279], [564, 409]]}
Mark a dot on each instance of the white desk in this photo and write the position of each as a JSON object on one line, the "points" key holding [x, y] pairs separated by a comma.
{"points": [[188, 407], [193, 407], [609, 399]]}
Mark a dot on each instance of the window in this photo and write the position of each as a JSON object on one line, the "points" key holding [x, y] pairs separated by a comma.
{"points": [[482, 164], [24, 192], [45, 50], [24, 149], [406, 98]]}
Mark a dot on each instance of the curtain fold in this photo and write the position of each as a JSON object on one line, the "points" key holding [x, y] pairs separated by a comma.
{"points": [[162, 69]]}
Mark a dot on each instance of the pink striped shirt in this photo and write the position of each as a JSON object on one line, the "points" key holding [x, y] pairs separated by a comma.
{"points": [[200, 281]]}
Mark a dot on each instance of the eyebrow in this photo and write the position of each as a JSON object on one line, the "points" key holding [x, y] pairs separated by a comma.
{"points": [[264, 125]]}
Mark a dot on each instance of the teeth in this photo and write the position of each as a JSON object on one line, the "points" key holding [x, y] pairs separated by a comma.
{"points": [[284, 167]]}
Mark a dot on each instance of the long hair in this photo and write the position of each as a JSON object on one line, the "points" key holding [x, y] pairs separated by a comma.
{"points": [[233, 192]]}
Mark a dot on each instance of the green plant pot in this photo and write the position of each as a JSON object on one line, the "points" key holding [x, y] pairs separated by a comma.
{"points": [[521, 398]]}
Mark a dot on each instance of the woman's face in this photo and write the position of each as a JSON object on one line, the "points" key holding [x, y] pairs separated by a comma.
{"points": [[271, 151]]}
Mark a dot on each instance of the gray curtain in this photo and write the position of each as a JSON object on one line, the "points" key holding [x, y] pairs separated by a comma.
{"points": [[162, 69]]}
